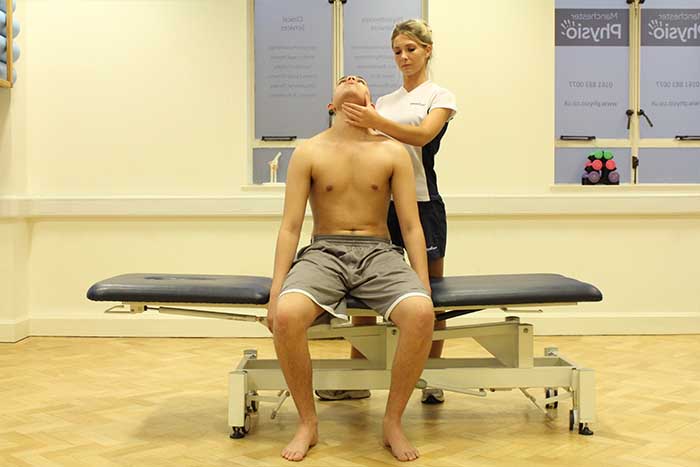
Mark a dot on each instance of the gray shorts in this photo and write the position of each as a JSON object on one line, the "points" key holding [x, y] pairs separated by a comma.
{"points": [[368, 268]]}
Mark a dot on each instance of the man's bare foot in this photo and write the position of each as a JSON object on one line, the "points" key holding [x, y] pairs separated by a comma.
{"points": [[305, 437], [400, 447]]}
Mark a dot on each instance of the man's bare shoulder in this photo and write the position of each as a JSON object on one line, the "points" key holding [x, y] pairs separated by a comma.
{"points": [[305, 149], [391, 146], [309, 147]]}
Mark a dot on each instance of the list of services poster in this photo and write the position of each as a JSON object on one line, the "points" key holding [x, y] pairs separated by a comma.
{"points": [[592, 68]]}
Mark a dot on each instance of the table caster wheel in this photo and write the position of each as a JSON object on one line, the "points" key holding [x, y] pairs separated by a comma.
{"points": [[584, 430], [240, 431], [252, 406], [572, 419]]}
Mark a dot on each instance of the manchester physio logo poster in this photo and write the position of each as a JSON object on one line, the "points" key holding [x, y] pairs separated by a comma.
{"points": [[592, 68], [670, 68]]}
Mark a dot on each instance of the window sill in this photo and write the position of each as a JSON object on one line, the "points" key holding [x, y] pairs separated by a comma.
{"points": [[627, 188], [264, 188]]}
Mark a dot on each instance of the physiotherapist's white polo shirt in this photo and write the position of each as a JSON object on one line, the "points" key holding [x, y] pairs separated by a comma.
{"points": [[411, 108]]}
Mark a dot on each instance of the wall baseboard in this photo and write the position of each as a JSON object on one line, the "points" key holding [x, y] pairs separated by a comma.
{"points": [[151, 324], [14, 331]]}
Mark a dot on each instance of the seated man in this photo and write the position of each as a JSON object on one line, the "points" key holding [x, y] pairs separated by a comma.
{"points": [[349, 175]]}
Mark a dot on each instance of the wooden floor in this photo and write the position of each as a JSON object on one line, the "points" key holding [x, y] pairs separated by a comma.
{"points": [[162, 402]]}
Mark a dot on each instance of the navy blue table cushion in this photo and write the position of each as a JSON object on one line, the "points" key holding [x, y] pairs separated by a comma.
{"points": [[183, 288], [454, 291]]}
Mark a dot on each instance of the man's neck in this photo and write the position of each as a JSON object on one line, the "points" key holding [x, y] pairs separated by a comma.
{"points": [[342, 129]]}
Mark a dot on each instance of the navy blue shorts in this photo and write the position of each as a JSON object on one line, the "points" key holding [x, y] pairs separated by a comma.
{"points": [[434, 222]]}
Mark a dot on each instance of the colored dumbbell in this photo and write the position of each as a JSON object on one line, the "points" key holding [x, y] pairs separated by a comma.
{"points": [[591, 178], [595, 155], [610, 165], [594, 177], [606, 155], [614, 178], [596, 165]]}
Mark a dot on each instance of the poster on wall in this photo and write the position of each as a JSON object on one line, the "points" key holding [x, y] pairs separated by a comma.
{"points": [[670, 68], [592, 68], [669, 165], [293, 69], [367, 28]]}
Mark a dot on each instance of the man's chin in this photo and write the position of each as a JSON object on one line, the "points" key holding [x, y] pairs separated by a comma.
{"points": [[352, 98]]}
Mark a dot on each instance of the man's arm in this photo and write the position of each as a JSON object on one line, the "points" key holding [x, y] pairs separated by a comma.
{"points": [[295, 197], [403, 189]]}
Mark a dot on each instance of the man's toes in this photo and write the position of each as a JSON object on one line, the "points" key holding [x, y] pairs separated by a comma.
{"points": [[409, 455]]}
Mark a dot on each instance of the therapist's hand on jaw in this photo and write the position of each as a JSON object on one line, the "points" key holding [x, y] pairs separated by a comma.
{"points": [[363, 116]]}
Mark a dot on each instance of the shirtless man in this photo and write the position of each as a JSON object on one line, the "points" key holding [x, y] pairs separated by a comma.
{"points": [[349, 175]]}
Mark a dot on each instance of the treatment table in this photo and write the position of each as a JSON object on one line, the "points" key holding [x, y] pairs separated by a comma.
{"points": [[513, 365]]}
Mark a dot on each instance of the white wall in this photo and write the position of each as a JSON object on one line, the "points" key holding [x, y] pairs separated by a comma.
{"points": [[498, 58], [123, 148], [127, 98]]}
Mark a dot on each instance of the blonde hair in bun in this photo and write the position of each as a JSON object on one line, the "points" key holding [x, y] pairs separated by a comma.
{"points": [[416, 29]]}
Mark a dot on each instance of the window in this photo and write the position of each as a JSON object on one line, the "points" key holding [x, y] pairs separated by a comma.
{"points": [[628, 82], [301, 48]]}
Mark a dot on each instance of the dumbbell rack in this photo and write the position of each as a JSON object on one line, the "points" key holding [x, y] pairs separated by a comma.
{"points": [[600, 169], [7, 83]]}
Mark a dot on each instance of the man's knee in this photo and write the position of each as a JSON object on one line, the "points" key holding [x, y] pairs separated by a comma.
{"points": [[415, 313], [295, 312]]}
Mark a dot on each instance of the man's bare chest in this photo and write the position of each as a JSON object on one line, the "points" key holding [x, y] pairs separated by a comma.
{"points": [[351, 170]]}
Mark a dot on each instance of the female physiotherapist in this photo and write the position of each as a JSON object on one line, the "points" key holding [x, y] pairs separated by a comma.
{"points": [[417, 115]]}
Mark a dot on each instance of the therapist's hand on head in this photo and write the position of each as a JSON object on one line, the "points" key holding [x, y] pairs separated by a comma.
{"points": [[363, 116]]}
